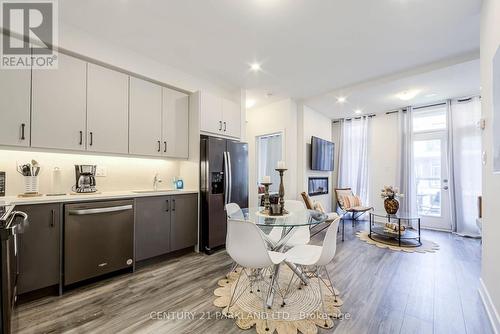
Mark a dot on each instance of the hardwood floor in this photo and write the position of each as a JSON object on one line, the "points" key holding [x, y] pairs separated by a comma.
{"points": [[383, 292]]}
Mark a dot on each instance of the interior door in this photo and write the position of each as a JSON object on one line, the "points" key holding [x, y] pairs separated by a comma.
{"points": [[152, 226], [184, 221], [211, 114], [15, 92], [107, 110], [432, 180], [59, 105], [145, 118], [175, 124], [231, 113], [39, 259], [238, 161], [215, 219]]}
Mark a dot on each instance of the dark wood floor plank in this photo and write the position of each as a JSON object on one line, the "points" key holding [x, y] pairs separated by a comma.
{"points": [[383, 292]]}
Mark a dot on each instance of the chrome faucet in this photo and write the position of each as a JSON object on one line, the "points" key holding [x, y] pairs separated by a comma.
{"points": [[156, 180]]}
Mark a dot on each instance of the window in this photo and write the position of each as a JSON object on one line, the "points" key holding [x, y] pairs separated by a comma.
{"points": [[269, 152], [427, 158], [429, 119]]}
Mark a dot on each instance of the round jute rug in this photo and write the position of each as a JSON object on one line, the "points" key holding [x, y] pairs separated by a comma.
{"points": [[392, 244], [302, 312]]}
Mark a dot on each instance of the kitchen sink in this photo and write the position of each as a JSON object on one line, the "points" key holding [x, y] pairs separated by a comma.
{"points": [[148, 191]]}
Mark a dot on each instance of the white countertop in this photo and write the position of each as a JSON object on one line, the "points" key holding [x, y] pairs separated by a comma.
{"points": [[112, 195]]}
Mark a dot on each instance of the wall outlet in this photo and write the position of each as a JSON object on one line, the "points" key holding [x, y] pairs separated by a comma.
{"points": [[101, 171]]}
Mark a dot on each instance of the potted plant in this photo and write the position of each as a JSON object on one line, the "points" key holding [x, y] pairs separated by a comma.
{"points": [[390, 195]]}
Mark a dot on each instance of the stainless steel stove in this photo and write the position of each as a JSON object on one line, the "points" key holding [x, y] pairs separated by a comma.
{"points": [[12, 223]]}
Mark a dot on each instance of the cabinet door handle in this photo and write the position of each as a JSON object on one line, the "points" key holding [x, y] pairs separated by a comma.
{"points": [[53, 220], [168, 206], [225, 127], [165, 146], [220, 125], [91, 138], [81, 137], [23, 126], [159, 146], [173, 205]]}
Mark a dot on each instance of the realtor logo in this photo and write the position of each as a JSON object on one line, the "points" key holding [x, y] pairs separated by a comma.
{"points": [[29, 33]]}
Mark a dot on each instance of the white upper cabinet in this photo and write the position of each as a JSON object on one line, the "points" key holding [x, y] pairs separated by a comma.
{"points": [[219, 116], [107, 110], [175, 124], [58, 105], [145, 118], [15, 107], [231, 113], [211, 113]]}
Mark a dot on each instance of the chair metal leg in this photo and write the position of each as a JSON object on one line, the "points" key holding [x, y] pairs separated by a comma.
{"points": [[234, 292], [321, 295], [331, 283], [233, 268]]}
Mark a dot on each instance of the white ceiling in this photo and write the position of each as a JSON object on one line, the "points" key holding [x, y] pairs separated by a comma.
{"points": [[306, 47], [448, 81]]}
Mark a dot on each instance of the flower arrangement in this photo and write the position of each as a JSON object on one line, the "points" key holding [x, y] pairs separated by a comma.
{"points": [[390, 192]]}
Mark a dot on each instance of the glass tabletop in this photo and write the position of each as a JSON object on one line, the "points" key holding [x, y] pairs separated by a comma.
{"points": [[398, 215], [295, 218]]}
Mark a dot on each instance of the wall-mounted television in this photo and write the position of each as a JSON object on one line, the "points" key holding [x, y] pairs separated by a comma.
{"points": [[322, 153]]}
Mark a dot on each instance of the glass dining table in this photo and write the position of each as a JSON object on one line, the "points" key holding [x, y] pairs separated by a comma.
{"points": [[284, 227]]}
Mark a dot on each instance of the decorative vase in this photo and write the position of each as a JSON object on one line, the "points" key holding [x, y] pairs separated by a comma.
{"points": [[391, 205]]}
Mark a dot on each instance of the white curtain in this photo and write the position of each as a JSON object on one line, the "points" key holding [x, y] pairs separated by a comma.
{"points": [[354, 159], [465, 164], [406, 179]]}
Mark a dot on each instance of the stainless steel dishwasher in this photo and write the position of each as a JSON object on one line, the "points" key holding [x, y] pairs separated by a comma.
{"points": [[98, 239]]}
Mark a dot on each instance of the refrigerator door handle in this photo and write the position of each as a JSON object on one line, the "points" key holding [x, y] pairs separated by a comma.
{"points": [[226, 180], [230, 177]]}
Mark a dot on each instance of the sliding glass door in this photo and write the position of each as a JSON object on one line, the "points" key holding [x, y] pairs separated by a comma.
{"points": [[430, 157]]}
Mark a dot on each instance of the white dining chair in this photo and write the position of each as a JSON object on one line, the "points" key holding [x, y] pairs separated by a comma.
{"points": [[300, 235], [246, 246], [312, 259], [233, 211]]}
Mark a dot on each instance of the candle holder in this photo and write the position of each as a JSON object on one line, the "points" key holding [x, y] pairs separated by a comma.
{"points": [[267, 203], [282, 191]]}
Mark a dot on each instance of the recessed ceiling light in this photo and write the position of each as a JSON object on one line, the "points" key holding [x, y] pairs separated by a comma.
{"points": [[341, 99], [358, 111], [250, 103], [255, 67], [408, 94]]}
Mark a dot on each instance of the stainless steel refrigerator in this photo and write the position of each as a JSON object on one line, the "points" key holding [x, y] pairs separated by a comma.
{"points": [[223, 179]]}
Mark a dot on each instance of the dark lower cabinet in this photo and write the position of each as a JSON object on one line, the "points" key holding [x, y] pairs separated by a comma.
{"points": [[184, 221], [165, 224], [152, 226], [39, 249]]}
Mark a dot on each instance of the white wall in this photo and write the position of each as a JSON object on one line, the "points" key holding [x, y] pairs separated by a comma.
{"points": [[490, 275], [312, 123], [272, 118], [123, 173]]}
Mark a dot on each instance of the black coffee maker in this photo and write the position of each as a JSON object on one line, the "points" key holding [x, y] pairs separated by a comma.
{"points": [[85, 179]]}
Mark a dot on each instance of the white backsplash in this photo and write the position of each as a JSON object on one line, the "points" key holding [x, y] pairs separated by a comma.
{"points": [[123, 173]]}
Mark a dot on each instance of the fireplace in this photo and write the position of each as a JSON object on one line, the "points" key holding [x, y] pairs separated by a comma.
{"points": [[317, 186]]}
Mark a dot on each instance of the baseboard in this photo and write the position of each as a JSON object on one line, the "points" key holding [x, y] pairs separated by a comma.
{"points": [[490, 307]]}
